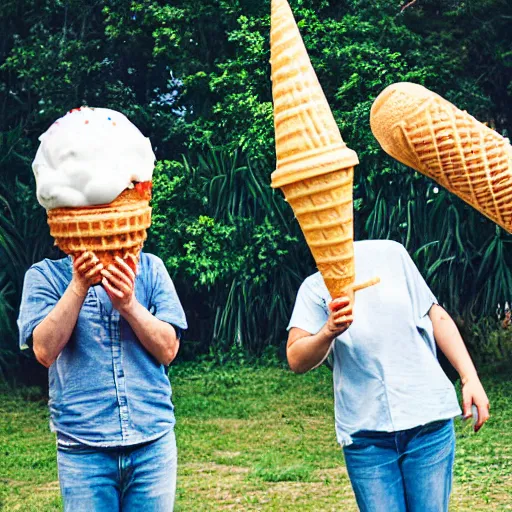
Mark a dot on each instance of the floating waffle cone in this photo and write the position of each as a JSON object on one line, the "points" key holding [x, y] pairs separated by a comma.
{"points": [[426, 132], [315, 168], [116, 229], [323, 207]]}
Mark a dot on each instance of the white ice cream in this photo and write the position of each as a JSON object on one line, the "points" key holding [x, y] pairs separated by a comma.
{"points": [[88, 157]]}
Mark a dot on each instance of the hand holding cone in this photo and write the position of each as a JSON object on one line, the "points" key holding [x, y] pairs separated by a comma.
{"points": [[426, 132], [314, 166]]}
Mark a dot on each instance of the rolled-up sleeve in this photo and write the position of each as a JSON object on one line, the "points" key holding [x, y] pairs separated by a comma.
{"points": [[164, 301], [38, 298], [309, 313], [421, 295]]}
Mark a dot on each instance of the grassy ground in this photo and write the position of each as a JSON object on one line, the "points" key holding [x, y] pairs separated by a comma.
{"points": [[255, 439]]}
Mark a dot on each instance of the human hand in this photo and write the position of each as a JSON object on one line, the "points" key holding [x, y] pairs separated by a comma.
{"points": [[340, 317], [119, 282], [473, 393], [86, 272]]}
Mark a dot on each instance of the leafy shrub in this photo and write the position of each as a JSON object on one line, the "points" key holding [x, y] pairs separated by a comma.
{"points": [[24, 240], [233, 248]]}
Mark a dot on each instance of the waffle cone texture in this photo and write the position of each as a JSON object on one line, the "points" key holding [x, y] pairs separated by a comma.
{"points": [[315, 168], [426, 132], [116, 229], [323, 207], [308, 140]]}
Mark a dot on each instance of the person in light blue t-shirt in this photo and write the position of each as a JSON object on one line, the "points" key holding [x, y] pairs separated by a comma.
{"points": [[394, 405]]}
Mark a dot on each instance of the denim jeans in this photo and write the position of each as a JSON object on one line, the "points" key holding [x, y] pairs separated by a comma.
{"points": [[403, 471], [129, 479]]}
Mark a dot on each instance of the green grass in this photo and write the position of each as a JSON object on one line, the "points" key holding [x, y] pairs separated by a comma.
{"points": [[254, 439]]}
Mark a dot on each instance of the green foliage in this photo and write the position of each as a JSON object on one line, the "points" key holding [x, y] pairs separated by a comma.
{"points": [[271, 471], [197, 73], [235, 252], [24, 240], [491, 342], [207, 257], [194, 76]]}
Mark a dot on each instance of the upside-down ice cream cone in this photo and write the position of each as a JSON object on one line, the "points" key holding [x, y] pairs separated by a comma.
{"points": [[426, 132], [314, 166], [93, 172]]}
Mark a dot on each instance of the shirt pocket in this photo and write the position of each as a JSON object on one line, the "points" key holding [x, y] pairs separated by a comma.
{"points": [[88, 327], [91, 301]]}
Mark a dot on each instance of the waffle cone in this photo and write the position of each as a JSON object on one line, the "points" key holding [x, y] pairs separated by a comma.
{"points": [[323, 206], [426, 132], [308, 140], [315, 168], [116, 229]]}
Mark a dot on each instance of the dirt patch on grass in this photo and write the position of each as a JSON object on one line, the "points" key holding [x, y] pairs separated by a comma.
{"points": [[476, 496], [48, 487], [333, 473], [233, 488], [226, 455], [211, 467], [30, 498]]}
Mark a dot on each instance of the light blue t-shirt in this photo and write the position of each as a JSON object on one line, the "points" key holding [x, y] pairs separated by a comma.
{"points": [[386, 373]]}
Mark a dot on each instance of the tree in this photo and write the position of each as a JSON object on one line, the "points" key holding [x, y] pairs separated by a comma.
{"points": [[194, 76]]}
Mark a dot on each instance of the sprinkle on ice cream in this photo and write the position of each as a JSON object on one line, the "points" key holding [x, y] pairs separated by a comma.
{"points": [[88, 157]]}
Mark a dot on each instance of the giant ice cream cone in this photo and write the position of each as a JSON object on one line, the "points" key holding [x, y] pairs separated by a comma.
{"points": [[314, 166], [115, 229], [93, 172], [426, 132]]}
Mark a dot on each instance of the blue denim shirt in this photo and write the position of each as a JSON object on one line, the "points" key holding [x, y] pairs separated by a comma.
{"points": [[386, 374], [106, 389]]}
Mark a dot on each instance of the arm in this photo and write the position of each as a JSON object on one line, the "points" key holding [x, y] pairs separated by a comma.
{"points": [[306, 351], [450, 342], [158, 337], [52, 334]]}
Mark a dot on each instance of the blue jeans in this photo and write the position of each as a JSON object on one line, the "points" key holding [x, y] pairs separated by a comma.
{"points": [[141, 477], [403, 471]]}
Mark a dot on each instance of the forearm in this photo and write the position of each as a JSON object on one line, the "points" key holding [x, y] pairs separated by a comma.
{"points": [[53, 333], [451, 343], [158, 338], [306, 351]]}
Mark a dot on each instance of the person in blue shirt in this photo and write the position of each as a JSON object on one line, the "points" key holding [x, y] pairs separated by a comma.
{"points": [[107, 336], [394, 405]]}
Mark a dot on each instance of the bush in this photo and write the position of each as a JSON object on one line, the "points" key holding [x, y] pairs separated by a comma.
{"points": [[233, 248], [24, 239]]}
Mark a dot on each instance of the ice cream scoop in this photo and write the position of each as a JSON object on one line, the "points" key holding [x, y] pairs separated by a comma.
{"points": [[93, 172], [88, 157]]}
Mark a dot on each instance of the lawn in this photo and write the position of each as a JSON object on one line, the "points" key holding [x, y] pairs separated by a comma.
{"points": [[254, 439]]}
